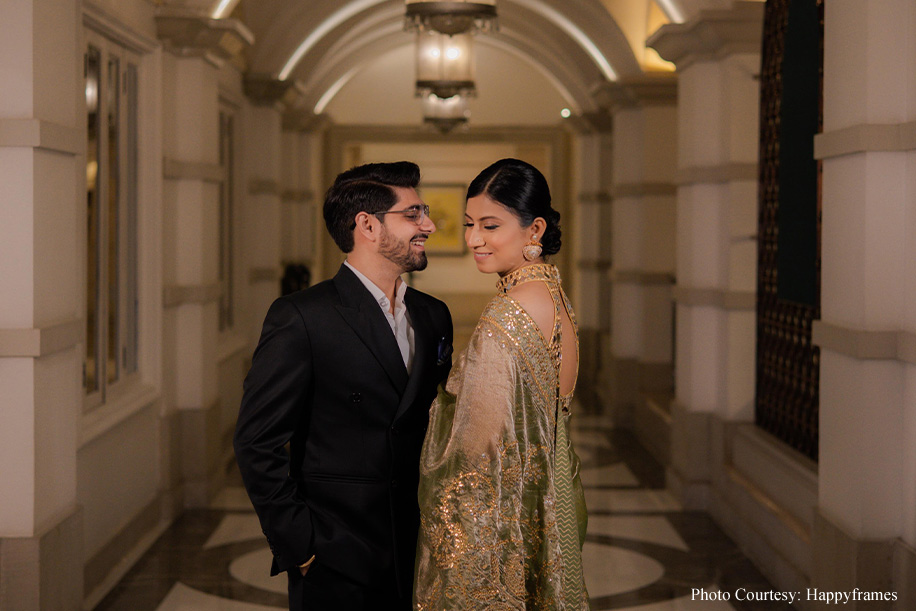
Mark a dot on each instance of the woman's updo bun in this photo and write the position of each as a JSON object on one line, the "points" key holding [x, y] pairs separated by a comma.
{"points": [[521, 188]]}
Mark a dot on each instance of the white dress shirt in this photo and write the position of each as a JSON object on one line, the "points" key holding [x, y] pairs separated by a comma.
{"points": [[399, 321]]}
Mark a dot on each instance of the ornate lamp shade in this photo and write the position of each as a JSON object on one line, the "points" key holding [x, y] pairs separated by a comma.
{"points": [[445, 64], [455, 17], [445, 114]]}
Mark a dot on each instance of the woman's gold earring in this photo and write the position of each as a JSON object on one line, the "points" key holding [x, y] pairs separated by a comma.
{"points": [[532, 250]]}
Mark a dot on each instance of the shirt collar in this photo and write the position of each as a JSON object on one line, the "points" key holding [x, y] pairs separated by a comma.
{"points": [[378, 293]]}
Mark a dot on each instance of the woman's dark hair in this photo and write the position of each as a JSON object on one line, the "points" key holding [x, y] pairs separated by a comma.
{"points": [[365, 188], [521, 188]]}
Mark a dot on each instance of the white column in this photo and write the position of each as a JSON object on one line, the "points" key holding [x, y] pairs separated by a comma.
{"points": [[262, 208], [311, 221], [300, 164], [305, 194], [757, 489], [717, 55], [643, 221], [42, 325], [592, 248], [195, 436], [291, 195], [865, 531], [190, 270]]}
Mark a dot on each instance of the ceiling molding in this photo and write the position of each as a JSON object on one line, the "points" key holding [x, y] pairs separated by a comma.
{"points": [[711, 34], [187, 32], [576, 46], [647, 90], [326, 25]]}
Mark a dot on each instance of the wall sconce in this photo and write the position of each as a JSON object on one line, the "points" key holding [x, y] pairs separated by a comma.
{"points": [[455, 17], [445, 65]]}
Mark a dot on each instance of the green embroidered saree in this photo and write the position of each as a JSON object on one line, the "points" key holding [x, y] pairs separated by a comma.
{"points": [[502, 511]]}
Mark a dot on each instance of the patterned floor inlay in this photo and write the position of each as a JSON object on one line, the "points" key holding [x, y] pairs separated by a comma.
{"points": [[642, 551]]}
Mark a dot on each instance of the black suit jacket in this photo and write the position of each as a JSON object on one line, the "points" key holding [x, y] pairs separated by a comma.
{"points": [[328, 379]]}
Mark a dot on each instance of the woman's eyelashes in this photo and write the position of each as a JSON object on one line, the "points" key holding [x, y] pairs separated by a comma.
{"points": [[469, 225]]}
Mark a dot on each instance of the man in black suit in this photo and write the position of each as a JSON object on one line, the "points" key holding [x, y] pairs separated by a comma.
{"points": [[345, 372]]}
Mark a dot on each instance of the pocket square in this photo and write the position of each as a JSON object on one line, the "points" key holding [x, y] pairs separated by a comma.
{"points": [[444, 352]]}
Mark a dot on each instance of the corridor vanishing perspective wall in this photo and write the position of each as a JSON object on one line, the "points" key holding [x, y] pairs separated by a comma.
{"points": [[736, 178]]}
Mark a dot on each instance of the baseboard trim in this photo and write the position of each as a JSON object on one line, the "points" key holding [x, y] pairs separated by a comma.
{"points": [[843, 563], [110, 564], [37, 572], [99, 569], [652, 426]]}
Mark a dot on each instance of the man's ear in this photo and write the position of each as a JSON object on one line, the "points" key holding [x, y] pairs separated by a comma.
{"points": [[366, 226]]}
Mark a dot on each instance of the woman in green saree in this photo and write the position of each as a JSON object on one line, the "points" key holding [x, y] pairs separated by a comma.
{"points": [[502, 511]]}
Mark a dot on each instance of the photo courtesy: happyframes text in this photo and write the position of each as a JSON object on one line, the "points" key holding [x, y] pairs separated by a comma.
{"points": [[811, 594]]}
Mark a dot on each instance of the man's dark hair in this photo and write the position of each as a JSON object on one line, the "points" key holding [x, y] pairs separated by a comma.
{"points": [[365, 188]]}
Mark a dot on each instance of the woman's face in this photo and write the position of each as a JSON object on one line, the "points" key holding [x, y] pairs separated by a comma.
{"points": [[495, 235]]}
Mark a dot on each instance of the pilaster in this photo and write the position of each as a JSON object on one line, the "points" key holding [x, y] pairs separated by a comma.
{"points": [[593, 255], [198, 47], [867, 465], [642, 250], [717, 54], [263, 188], [42, 324], [300, 196]]}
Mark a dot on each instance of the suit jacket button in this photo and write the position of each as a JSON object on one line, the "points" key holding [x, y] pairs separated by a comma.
{"points": [[395, 430], [394, 483], [356, 397]]}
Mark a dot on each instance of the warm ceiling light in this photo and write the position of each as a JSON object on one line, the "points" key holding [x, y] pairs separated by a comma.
{"points": [[455, 17], [223, 9], [445, 64], [445, 114]]}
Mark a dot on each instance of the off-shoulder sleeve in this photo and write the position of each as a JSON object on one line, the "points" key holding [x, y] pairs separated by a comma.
{"points": [[472, 475]]}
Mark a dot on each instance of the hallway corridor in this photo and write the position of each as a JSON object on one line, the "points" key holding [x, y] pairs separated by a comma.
{"points": [[642, 551]]}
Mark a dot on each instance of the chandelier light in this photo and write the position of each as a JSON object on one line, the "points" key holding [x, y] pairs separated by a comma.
{"points": [[445, 114], [445, 64], [455, 17]]}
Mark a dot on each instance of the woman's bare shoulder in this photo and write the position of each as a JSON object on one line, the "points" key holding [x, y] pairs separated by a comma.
{"points": [[536, 299]]}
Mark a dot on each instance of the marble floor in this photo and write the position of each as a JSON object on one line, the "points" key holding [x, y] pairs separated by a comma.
{"points": [[642, 550]]}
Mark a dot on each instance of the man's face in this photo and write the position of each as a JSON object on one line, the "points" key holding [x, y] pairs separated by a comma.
{"points": [[403, 241]]}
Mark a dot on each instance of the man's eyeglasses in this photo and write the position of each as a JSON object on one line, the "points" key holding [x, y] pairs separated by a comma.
{"points": [[414, 213]]}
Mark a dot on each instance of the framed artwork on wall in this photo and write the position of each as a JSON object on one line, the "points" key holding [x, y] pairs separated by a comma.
{"points": [[446, 208]]}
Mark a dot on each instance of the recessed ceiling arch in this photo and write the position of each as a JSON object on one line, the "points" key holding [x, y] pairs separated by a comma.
{"points": [[289, 36], [563, 64], [325, 84]]}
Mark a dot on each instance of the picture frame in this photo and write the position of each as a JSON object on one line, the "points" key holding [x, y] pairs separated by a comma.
{"points": [[446, 209]]}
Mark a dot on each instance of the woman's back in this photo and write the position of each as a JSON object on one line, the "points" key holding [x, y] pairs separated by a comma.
{"points": [[550, 312], [537, 290]]}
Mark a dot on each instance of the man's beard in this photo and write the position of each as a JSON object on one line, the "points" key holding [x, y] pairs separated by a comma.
{"points": [[400, 253]]}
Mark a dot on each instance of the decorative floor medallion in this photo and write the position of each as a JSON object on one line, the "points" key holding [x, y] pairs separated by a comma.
{"points": [[642, 550]]}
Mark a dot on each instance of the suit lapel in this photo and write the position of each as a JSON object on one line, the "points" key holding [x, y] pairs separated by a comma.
{"points": [[360, 310], [423, 346]]}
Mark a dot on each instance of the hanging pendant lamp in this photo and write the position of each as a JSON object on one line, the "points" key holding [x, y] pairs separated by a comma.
{"points": [[445, 114], [445, 64], [455, 17]]}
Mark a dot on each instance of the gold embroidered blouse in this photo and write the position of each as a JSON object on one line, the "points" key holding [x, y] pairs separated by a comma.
{"points": [[502, 511]]}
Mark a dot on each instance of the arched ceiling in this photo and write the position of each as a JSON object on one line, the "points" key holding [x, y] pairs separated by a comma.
{"points": [[524, 97], [573, 45]]}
